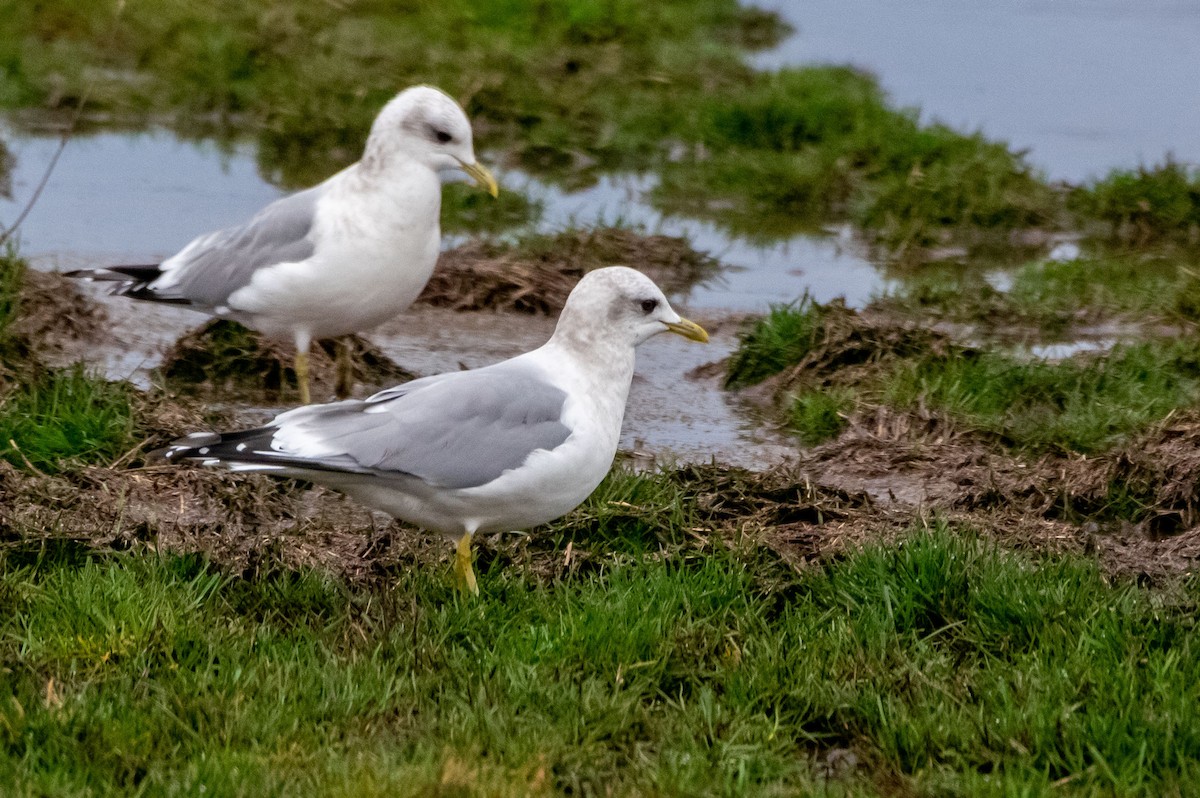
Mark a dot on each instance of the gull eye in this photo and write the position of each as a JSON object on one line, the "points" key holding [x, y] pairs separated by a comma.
{"points": [[442, 136], [648, 305]]}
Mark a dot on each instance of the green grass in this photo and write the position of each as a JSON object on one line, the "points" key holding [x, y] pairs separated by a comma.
{"points": [[1084, 404], [1052, 296], [1163, 288], [768, 345], [66, 417], [546, 80], [1087, 403], [820, 142], [1146, 205], [946, 665], [818, 416]]}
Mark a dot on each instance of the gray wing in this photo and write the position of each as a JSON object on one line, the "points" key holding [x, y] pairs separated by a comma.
{"points": [[215, 265], [457, 430]]}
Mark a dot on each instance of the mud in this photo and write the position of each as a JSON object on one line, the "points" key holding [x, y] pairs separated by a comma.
{"points": [[535, 276]]}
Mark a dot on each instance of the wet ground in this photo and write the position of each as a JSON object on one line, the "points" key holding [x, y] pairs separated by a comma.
{"points": [[1021, 70]]}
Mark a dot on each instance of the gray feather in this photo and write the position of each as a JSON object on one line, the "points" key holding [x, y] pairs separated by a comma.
{"points": [[215, 265], [458, 430]]}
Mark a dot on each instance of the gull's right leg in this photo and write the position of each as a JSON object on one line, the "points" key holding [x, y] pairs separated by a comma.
{"points": [[303, 341]]}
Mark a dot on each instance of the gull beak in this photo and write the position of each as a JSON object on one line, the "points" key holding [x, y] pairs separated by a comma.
{"points": [[688, 329], [483, 178]]}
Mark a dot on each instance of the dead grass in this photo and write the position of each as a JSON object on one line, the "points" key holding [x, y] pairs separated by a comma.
{"points": [[536, 274], [54, 311]]}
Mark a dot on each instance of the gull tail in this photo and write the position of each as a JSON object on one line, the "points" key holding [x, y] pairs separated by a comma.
{"points": [[251, 451], [247, 450], [133, 281]]}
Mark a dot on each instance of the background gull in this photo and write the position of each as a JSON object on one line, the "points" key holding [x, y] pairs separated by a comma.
{"points": [[334, 259], [504, 447]]}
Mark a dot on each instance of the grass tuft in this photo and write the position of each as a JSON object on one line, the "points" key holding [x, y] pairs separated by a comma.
{"points": [[12, 276], [1084, 404], [838, 359], [66, 417], [768, 345], [818, 416], [1146, 205]]}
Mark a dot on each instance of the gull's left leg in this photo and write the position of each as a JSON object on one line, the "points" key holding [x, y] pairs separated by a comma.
{"points": [[303, 341], [345, 368], [463, 572]]}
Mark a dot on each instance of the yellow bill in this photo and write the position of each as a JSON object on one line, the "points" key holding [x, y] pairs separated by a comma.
{"points": [[688, 329], [483, 178]]}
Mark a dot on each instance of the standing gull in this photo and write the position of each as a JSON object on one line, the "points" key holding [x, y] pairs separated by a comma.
{"points": [[504, 447], [340, 257]]}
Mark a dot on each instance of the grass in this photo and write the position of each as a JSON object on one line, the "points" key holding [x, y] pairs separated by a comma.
{"points": [[1084, 404], [945, 665], [1052, 296], [768, 345], [67, 417], [1087, 403], [1146, 205], [12, 274], [822, 142], [818, 416], [546, 80]]}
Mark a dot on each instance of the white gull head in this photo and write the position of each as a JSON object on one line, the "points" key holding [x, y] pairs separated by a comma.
{"points": [[619, 307], [425, 125]]}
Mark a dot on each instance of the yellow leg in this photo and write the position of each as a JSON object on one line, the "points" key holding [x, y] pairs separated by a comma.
{"points": [[463, 572], [302, 376], [345, 369]]}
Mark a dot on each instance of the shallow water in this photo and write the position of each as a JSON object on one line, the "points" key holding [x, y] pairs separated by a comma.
{"points": [[1085, 85]]}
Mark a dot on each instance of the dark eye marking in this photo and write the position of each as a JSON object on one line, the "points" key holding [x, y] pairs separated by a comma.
{"points": [[442, 136], [648, 305]]}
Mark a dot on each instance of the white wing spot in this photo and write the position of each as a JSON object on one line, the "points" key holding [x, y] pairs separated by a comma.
{"points": [[203, 450]]}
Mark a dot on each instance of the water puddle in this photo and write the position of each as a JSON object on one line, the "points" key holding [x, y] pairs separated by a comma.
{"points": [[127, 197], [759, 274]]}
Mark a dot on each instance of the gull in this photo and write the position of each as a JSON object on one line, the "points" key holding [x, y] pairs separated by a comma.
{"points": [[500, 448], [340, 257]]}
